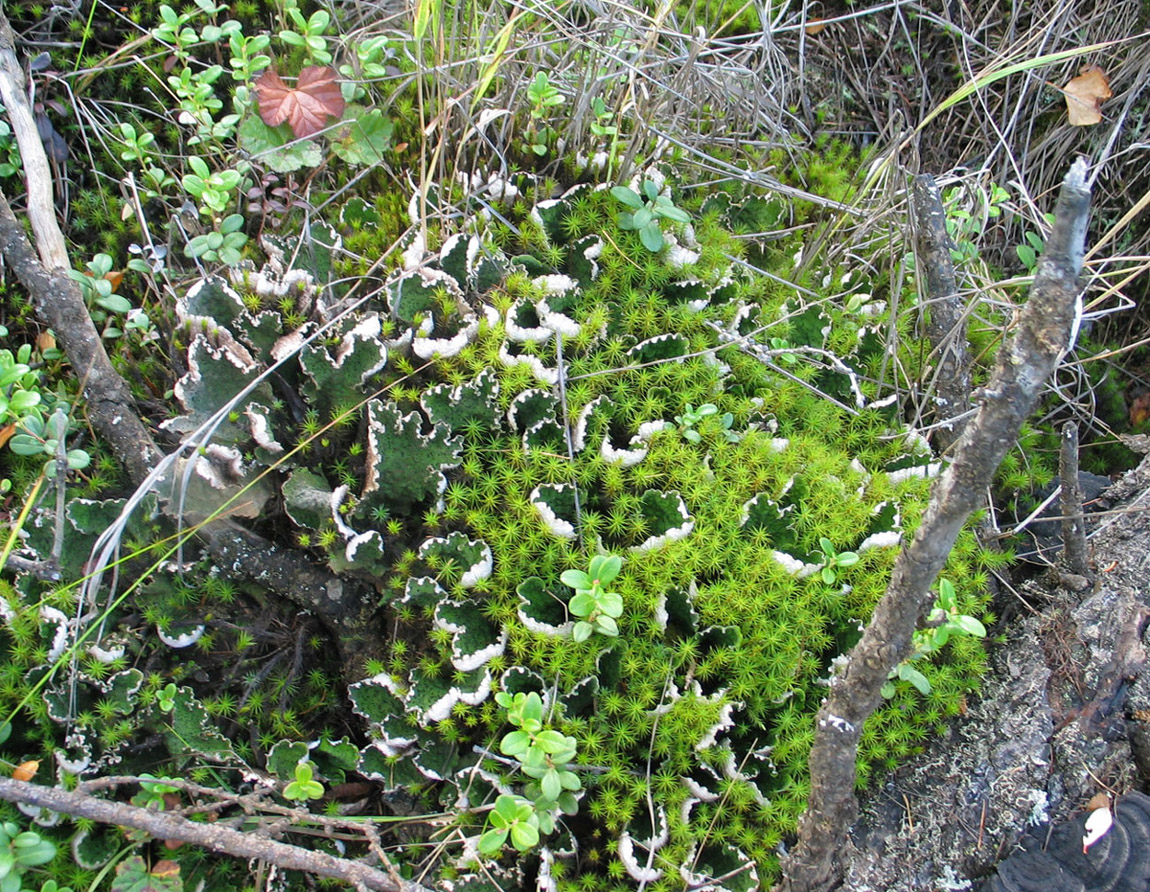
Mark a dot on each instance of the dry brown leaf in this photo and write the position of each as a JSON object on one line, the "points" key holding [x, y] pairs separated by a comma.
{"points": [[1085, 95], [25, 771], [306, 107], [165, 868]]}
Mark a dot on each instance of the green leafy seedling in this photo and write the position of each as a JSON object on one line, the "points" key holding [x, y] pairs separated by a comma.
{"points": [[692, 416], [19, 851], [514, 817], [833, 561], [647, 213], [304, 787], [597, 607], [166, 698], [944, 621]]}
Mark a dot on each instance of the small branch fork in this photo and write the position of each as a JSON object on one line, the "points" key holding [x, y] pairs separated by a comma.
{"points": [[1024, 363]]}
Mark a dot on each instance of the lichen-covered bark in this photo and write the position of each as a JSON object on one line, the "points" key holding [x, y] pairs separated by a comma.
{"points": [[1024, 363], [946, 315]]}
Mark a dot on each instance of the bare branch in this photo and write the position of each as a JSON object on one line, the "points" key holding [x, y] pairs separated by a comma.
{"points": [[946, 322], [162, 825], [1045, 330]]}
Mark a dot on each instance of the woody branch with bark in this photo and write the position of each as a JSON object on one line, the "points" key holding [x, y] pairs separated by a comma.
{"points": [[1044, 333]]}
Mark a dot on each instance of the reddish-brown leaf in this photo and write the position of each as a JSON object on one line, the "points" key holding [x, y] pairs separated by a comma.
{"points": [[307, 106]]}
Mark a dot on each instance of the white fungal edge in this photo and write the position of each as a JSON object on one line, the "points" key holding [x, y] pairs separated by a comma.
{"points": [[481, 569], [335, 500], [369, 329], [441, 708], [405, 598], [517, 402], [546, 881], [541, 372], [745, 514], [49, 614], [1098, 824], [592, 253], [743, 312], [726, 720], [359, 539], [261, 429], [79, 766], [105, 655], [387, 744], [472, 661], [217, 462], [290, 344], [637, 451], [672, 535], [374, 430], [557, 322], [478, 571], [228, 348], [926, 472], [426, 348], [626, 849], [542, 628], [698, 882], [794, 566], [633, 352], [520, 334], [678, 257], [7, 611], [537, 218], [183, 303], [887, 539], [579, 435], [181, 641], [551, 520], [272, 282]]}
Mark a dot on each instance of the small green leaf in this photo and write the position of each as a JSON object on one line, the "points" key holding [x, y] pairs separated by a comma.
{"points": [[628, 196], [491, 842], [642, 217], [652, 237], [607, 626], [515, 743], [908, 673], [970, 626], [577, 579], [550, 785], [605, 567], [524, 837], [303, 787], [670, 212], [581, 632], [611, 604], [582, 604]]}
